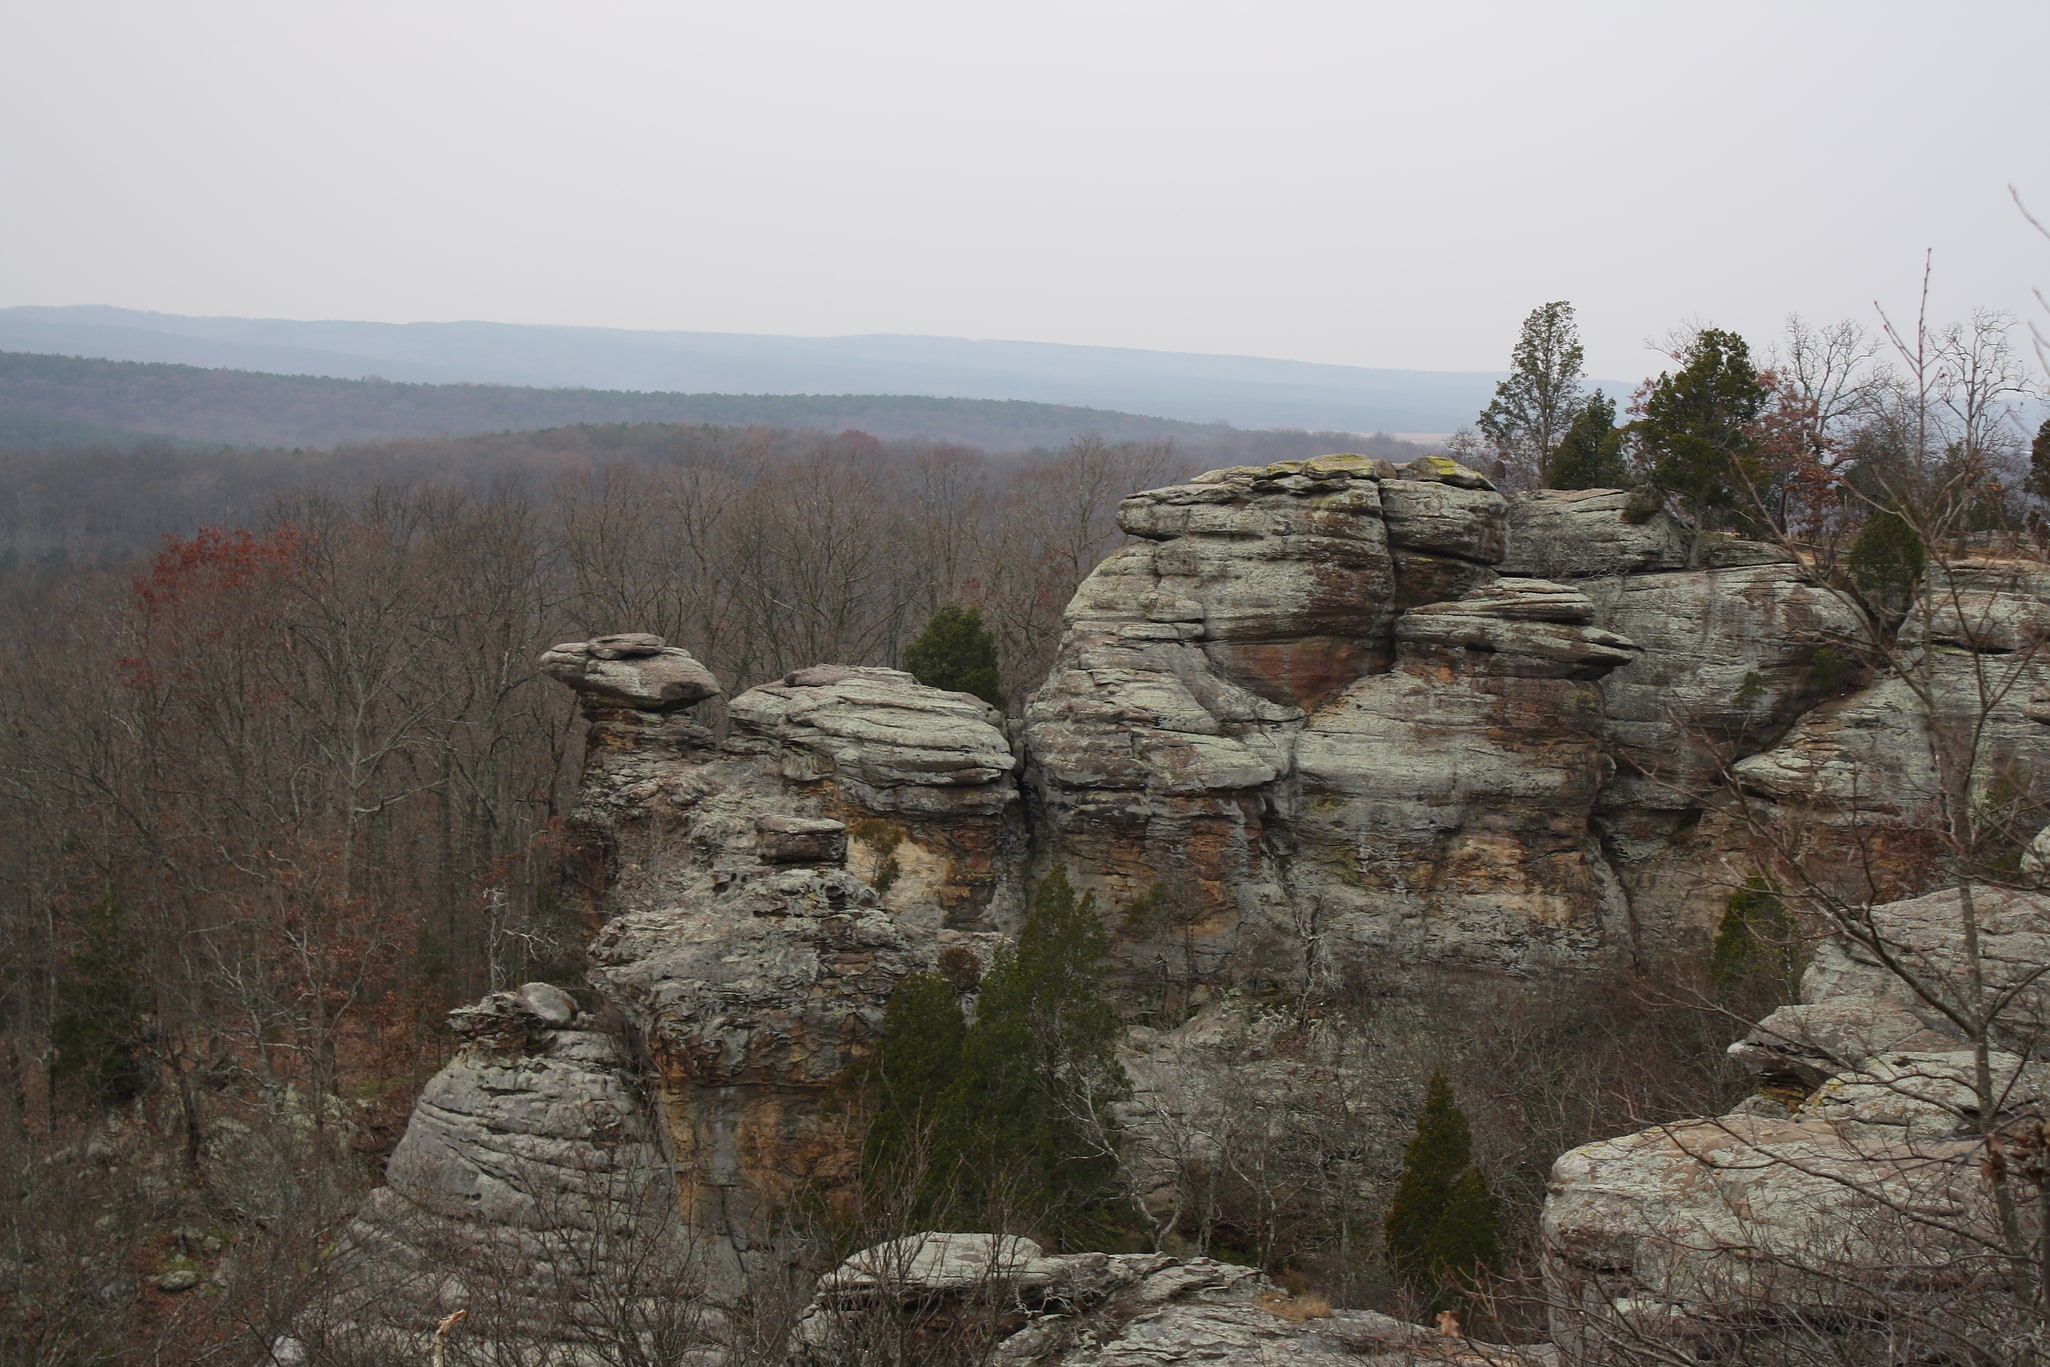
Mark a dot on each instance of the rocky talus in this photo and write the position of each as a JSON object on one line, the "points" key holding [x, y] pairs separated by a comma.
{"points": [[1325, 723]]}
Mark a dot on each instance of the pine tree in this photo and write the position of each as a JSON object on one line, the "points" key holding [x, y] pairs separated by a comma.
{"points": [[1029, 1114], [99, 1030], [1440, 1226], [1696, 428], [956, 652], [920, 1058], [1590, 455], [1887, 560], [1757, 949], [1533, 408]]}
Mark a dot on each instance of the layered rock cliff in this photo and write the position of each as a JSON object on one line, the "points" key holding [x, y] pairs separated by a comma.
{"points": [[1324, 720]]}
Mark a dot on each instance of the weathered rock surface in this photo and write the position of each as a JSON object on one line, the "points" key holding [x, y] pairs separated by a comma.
{"points": [[1310, 708], [1004, 1297], [755, 898], [1348, 718], [527, 1159], [1857, 1174], [633, 670], [755, 992]]}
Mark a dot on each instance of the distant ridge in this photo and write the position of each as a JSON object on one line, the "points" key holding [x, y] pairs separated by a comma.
{"points": [[66, 401], [1240, 390]]}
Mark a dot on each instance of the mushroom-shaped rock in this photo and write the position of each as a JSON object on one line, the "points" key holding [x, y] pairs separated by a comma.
{"points": [[631, 670]]}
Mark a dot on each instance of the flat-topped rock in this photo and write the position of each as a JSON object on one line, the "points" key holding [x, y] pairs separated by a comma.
{"points": [[631, 670]]}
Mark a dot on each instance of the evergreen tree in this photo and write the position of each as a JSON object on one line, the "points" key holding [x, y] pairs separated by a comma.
{"points": [[2038, 482], [955, 651], [1757, 951], [1887, 560], [920, 1058], [1029, 1114], [100, 1028], [1440, 1226], [1465, 1241], [1696, 427], [1590, 455], [1533, 408]]}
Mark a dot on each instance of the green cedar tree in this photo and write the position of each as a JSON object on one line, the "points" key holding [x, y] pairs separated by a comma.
{"points": [[100, 1028], [1887, 559], [920, 1058], [956, 652], [1696, 428], [1441, 1223], [1465, 1241], [2039, 463], [1029, 1114], [1757, 946], [1590, 455]]}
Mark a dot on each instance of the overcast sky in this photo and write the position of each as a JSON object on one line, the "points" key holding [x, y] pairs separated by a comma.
{"points": [[1365, 183]]}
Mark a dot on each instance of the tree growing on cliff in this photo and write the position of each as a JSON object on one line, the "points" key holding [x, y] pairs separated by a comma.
{"points": [[1590, 455], [956, 652], [1441, 1227], [1696, 428], [1008, 1118], [920, 1059], [1533, 408]]}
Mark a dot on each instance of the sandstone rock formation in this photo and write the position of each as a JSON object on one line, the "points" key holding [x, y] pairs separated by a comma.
{"points": [[529, 1180], [1308, 706], [1851, 1193], [1003, 1297], [1344, 718], [756, 898]]}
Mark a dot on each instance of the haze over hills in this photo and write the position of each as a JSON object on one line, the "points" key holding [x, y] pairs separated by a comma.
{"points": [[1240, 390], [69, 402]]}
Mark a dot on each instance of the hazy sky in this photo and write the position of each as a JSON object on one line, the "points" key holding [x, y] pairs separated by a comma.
{"points": [[1368, 183]]}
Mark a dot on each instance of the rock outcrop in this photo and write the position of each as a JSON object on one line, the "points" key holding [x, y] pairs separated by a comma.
{"points": [[756, 897], [1003, 1301], [1323, 722], [1307, 705], [1851, 1194], [525, 1182]]}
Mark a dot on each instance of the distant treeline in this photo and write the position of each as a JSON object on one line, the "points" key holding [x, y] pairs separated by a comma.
{"points": [[69, 401], [90, 503]]}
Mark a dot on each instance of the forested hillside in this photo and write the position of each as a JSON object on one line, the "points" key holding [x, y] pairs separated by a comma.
{"points": [[246, 408]]}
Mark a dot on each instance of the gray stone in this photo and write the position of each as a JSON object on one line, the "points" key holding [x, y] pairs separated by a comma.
{"points": [[637, 671], [551, 1005], [1106, 1310], [1582, 534], [1814, 1206], [525, 1158], [782, 839], [179, 1279]]}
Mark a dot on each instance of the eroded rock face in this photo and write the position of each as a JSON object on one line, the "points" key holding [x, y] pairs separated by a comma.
{"points": [[1004, 1301], [528, 1180], [1816, 1195], [756, 898], [755, 992], [1309, 707]]}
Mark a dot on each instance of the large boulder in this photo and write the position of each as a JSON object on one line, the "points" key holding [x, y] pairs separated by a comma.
{"points": [[1851, 1195], [1309, 710], [755, 992]]}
